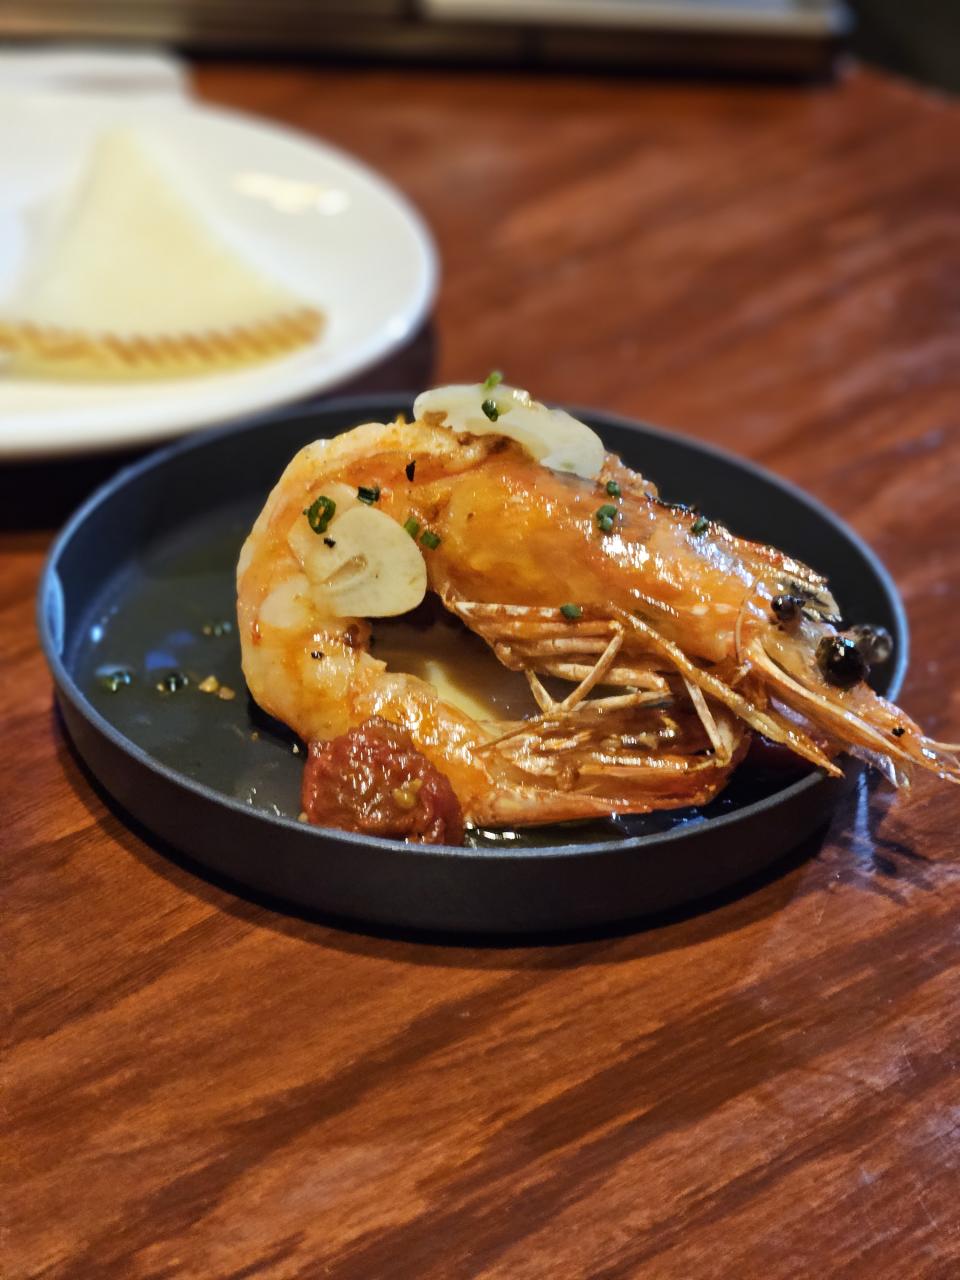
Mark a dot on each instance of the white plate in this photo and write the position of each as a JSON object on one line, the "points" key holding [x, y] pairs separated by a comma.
{"points": [[319, 220]]}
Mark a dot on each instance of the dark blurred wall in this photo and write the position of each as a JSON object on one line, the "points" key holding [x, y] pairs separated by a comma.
{"points": [[918, 38]]}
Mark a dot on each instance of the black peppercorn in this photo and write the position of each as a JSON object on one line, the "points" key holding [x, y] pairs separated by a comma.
{"points": [[786, 608], [874, 643], [841, 662]]}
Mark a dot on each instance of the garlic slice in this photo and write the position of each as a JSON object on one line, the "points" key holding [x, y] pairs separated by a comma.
{"points": [[553, 436], [373, 570]]}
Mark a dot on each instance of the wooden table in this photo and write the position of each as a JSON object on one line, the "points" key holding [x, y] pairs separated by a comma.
{"points": [[200, 1087]]}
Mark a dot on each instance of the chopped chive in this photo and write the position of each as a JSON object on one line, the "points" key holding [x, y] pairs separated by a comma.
{"points": [[412, 526], [572, 611], [173, 682], [613, 489], [605, 516], [320, 513], [492, 380], [115, 680], [489, 407], [410, 469], [430, 539], [700, 525], [369, 495]]}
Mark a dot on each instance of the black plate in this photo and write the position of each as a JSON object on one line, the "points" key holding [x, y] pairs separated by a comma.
{"points": [[142, 576]]}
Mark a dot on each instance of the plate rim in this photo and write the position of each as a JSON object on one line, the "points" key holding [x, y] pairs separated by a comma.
{"points": [[392, 337], [66, 686]]}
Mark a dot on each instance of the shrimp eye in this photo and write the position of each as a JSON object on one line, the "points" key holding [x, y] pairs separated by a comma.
{"points": [[841, 662], [786, 608], [875, 644]]}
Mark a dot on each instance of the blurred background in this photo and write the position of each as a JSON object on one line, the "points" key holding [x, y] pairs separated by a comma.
{"points": [[917, 38], [709, 147]]}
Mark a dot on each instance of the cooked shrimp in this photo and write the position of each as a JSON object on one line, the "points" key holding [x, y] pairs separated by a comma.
{"points": [[674, 638]]}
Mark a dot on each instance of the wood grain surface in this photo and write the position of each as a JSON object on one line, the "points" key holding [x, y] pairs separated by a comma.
{"points": [[198, 1087]]}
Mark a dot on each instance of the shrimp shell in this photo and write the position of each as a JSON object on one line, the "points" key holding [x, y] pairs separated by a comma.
{"points": [[672, 660]]}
